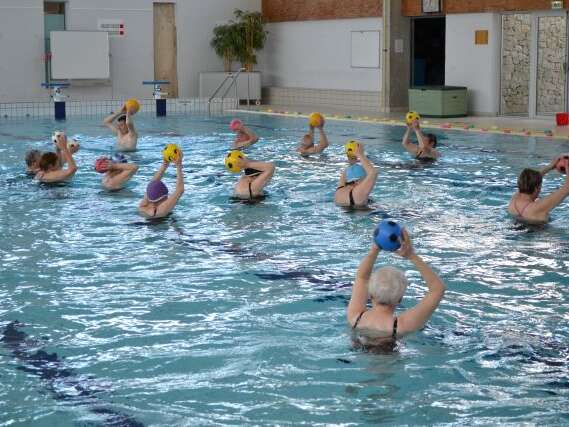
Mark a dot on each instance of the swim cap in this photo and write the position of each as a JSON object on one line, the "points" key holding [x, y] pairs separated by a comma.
{"points": [[156, 191], [119, 158], [102, 164], [355, 173], [235, 124]]}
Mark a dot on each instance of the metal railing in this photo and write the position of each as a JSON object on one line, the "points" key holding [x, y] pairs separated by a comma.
{"points": [[231, 76]]}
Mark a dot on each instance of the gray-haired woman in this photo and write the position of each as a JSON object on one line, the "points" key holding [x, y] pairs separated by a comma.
{"points": [[386, 287]]}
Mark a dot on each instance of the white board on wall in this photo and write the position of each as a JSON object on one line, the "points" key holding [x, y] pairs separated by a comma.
{"points": [[80, 55], [365, 49]]}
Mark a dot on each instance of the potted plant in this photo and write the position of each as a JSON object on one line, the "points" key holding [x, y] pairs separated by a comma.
{"points": [[253, 36], [225, 42]]}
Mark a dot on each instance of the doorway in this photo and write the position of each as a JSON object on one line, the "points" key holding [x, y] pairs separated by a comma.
{"points": [[428, 51], [533, 64], [165, 47], [53, 20]]}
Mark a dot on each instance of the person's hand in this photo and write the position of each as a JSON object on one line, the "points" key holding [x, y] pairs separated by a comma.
{"points": [[61, 141], [123, 109], [374, 247], [179, 158], [242, 163], [322, 122], [416, 125], [360, 151], [406, 250]]}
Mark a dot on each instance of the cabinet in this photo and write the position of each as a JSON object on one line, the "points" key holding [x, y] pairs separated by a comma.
{"points": [[439, 101], [248, 84]]}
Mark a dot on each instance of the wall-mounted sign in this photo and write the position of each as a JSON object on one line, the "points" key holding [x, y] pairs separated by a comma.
{"points": [[115, 27], [432, 6], [481, 37], [556, 5]]}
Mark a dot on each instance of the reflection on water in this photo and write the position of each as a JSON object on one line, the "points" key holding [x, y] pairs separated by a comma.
{"points": [[232, 313]]}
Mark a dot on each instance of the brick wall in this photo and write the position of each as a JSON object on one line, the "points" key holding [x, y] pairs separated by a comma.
{"points": [[311, 10], [413, 7]]}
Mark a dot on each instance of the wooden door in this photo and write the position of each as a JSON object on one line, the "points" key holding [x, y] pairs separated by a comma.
{"points": [[165, 47]]}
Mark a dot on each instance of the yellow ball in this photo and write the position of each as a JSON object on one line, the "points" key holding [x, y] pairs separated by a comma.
{"points": [[315, 119], [412, 116], [351, 148], [231, 161], [170, 152], [132, 105]]}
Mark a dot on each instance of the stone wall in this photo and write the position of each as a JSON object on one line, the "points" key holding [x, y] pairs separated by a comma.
{"points": [[550, 64], [310, 10], [516, 40]]}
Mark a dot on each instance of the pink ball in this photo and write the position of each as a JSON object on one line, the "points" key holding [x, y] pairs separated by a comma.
{"points": [[235, 124]]}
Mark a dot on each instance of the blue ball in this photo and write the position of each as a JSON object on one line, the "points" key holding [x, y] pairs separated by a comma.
{"points": [[387, 235]]}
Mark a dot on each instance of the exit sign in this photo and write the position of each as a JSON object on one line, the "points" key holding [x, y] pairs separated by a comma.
{"points": [[557, 4]]}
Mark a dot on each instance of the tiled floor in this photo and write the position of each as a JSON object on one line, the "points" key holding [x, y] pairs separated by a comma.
{"points": [[508, 125]]}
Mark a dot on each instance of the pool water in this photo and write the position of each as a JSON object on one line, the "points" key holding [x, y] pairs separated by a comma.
{"points": [[234, 314]]}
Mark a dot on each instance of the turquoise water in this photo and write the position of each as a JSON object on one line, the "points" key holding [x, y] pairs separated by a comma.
{"points": [[232, 314]]}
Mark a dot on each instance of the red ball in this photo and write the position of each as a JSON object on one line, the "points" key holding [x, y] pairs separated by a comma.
{"points": [[560, 166]]}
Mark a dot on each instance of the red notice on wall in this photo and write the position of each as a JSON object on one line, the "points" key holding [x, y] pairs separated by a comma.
{"points": [[115, 27]]}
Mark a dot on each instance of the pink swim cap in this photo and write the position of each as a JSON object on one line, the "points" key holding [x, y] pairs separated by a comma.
{"points": [[102, 165], [235, 124]]}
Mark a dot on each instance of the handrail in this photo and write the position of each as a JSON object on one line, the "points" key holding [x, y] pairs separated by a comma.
{"points": [[233, 77]]}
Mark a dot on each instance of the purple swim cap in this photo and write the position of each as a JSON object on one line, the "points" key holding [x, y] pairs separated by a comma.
{"points": [[156, 191]]}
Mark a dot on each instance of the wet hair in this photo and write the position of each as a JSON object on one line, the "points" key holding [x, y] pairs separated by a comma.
{"points": [[122, 118], [529, 180], [432, 138], [387, 285], [32, 157], [48, 160]]}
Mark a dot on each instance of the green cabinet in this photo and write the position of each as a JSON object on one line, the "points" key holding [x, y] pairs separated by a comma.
{"points": [[439, 101]]}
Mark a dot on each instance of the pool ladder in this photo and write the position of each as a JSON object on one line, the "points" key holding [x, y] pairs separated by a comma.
{"points": [[233, 77]]}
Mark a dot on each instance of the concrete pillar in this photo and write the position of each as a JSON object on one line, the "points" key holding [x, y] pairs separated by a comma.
{"points": [[396, 58]]}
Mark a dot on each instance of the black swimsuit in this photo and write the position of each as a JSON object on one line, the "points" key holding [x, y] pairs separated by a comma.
{"points": [[393, 334], [420, 157]]}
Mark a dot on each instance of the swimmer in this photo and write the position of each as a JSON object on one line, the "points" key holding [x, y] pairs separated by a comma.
{"points": [[157, 203], [245, 137], [51, 169], [33, 162], [525, 204], [307, 146], [124, 129], [72, 144], [116, 173], [256, 175], [424, 150], [356, 182], [385, 287]]}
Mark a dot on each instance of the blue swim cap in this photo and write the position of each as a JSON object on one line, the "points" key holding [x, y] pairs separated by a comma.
{"points": [[119, 158], [355, 173]]}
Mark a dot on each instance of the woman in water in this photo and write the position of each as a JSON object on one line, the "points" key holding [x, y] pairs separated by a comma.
{"points": [[50, 166], [424, 150], [385, 287], [526, 204], [157, 203], [356, 182]]}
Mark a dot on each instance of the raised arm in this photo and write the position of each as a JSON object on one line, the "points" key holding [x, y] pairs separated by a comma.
{"points": [[322, 143], [160, 172], [557, 197], [413, 319], [407, 144], [267, 170], [358, 301], [170, 203], [130, 123], [419, 134], [342, 181], [108, 122], [251, 139], [62, 174]]}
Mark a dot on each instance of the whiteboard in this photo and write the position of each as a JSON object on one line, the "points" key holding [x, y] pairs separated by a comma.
{"points": [[365, 49], [80, 55]]}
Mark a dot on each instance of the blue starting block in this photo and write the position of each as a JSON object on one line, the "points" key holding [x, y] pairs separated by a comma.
{"points": [[158, 95], [58, 98]]}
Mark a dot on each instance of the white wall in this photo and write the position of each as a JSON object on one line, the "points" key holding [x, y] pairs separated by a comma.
{"points": [[474, 66], [21, 48], [316, 54], [132, 57]]}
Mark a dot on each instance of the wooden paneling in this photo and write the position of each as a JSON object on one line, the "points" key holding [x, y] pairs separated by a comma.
{"points": [[310, 10], [413, 7], [165, 50]]}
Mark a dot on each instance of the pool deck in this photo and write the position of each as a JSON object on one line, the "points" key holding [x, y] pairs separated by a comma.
{"points": [[544, 128]]}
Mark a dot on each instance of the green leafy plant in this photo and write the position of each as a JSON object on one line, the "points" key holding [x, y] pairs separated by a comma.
{"points": [[240, 40]]}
